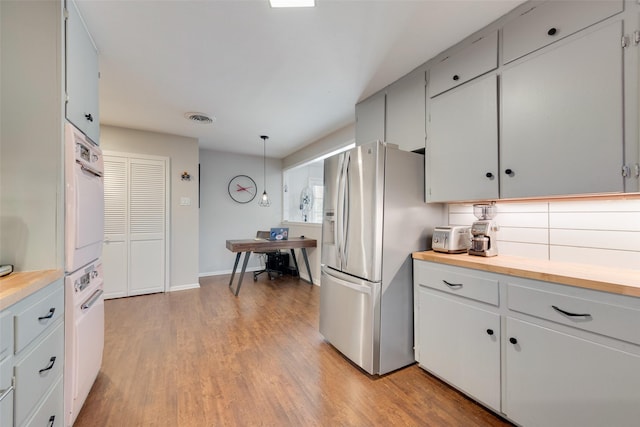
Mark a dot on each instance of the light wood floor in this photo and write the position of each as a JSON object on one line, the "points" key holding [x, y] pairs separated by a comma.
{"points": [[203, 357]]}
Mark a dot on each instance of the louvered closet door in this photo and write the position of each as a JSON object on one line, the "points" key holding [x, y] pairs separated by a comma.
{"points": [[135, 225]]}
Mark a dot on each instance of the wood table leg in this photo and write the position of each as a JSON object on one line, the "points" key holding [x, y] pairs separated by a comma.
{"points": [[306, 261]]}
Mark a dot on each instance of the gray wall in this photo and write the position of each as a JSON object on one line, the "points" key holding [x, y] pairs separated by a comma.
{"points": [[183, 154], [223, 219]]}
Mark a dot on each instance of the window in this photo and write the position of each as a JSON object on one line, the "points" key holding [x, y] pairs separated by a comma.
{"points": [[303, 190]]}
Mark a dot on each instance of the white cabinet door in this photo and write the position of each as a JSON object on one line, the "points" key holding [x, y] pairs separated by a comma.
{"points": [[406, 112], [81, 76], [460, 344], [370, 119], [462, 143], [562, 119], [555, 379]]}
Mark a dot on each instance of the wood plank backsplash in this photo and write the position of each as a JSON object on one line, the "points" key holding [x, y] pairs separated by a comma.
{"points": [[596, 232]]}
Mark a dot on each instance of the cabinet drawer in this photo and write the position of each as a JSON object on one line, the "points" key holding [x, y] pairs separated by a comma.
{"points": [[549, 22], [478, 58], [580, 312], [50, 413], [456, 281], [6, 334], [6, 409], [38, 371], [46, 309]]}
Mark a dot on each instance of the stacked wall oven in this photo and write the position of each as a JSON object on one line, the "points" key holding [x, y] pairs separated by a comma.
{"points": [[374, 218], [84, 301]]}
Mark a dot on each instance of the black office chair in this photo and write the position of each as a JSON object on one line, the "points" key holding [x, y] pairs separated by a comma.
{"points": [[267, 255]]}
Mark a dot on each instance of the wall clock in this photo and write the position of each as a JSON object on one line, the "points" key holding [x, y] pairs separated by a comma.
{"points": [[242, 189]]}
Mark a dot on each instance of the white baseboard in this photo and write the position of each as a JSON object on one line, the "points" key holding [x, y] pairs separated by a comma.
{"points": [[221, 272], [184, 287]]}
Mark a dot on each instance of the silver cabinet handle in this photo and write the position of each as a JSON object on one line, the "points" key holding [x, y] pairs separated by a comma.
{"points": [[6, 392]]}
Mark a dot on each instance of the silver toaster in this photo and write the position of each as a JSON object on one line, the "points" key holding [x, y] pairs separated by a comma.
{"points": [[451, 239]]}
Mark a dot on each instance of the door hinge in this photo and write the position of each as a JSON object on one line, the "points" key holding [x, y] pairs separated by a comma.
{"points": [[65, 13], [636, 170], [636, 37], [626, 171], [625, 41]]}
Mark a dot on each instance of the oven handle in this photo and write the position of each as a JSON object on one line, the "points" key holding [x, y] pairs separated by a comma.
{"points": [[89, 169], [92, 300]]}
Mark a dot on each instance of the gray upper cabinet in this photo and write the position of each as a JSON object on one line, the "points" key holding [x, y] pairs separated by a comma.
{"points": [[462, 148], [81, 75], [405, 118], [562, 118], [370, 119], [544, 23], [473, 60]]}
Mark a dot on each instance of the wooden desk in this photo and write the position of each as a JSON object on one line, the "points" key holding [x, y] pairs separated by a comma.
{"points": [[262, 245]]}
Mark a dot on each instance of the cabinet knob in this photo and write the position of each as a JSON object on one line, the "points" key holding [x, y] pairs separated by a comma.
{"points": [[508, 171], [513, 341], [456, 77], [489, 175], [552, 31], [89, 117], [490, 331]]}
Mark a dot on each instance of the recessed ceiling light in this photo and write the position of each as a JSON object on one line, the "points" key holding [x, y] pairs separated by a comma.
{"points": [[292, 3], [201, 118]]}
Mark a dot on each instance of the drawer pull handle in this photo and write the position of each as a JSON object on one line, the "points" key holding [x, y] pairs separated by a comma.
{"points": [[513, 340], [567, 313], [552, 31], [456, 77], [52, 421], [453, 285], [490, 331], [489, 175], [52, 361], [48, 316], [89, 117]]}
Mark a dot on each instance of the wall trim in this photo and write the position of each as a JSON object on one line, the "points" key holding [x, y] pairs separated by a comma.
{"points": [[184, 287]]}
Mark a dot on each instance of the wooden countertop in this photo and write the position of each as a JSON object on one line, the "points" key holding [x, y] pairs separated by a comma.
{"points": [[19, 285], [606, 279]]}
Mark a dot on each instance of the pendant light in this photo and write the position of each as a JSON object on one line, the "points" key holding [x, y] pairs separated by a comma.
{"points": [[264, 200]]}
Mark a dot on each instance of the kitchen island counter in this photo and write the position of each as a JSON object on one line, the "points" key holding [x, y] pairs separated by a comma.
{"points": [[606, 279], [19, 285]]}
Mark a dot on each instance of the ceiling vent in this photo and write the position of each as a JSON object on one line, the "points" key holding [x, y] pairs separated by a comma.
{"points": [[199, 118]]}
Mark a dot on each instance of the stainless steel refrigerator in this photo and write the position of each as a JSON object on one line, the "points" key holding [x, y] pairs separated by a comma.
{"points": [[374, 218]]}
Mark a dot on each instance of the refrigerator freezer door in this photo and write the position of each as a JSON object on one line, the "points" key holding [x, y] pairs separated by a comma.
{"points": [[330, 224], [349, 317], [362, 214]]}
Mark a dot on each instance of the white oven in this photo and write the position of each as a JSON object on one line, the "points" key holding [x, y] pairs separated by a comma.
{"points": [[84, 335], [84, 199]]}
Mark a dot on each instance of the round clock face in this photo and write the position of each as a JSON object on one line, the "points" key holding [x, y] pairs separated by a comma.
{"points": [[242, 189]]}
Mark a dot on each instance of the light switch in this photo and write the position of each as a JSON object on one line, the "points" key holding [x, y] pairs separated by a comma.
{"points": [[185, 201]]}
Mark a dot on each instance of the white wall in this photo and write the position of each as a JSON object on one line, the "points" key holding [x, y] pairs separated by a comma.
{"points": [[222, 219], [595, 232], [183, 154]]}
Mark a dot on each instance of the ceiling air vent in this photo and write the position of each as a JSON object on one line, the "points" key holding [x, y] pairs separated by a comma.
{"points": [[199, 118]]}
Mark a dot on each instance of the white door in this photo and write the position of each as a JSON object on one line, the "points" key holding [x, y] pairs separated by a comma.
{"points": [[136, 222]]}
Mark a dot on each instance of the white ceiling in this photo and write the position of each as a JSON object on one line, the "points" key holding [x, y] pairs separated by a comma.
{"points": [[292, 74]]}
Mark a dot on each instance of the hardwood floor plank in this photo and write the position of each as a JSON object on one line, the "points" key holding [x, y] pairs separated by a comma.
{"points": [[204, 357]]}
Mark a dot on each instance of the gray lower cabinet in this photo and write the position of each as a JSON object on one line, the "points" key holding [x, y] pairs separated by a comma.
{"points": [[31, 384], [555, 379], [538, 353]]}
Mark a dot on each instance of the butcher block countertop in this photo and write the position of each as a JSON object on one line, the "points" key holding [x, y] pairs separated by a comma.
{"points": [[17, 286], [606, 279]]}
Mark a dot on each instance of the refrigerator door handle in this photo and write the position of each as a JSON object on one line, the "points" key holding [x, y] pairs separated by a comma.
{"points": [[363, 289], [346, 210], [339, 210]]}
